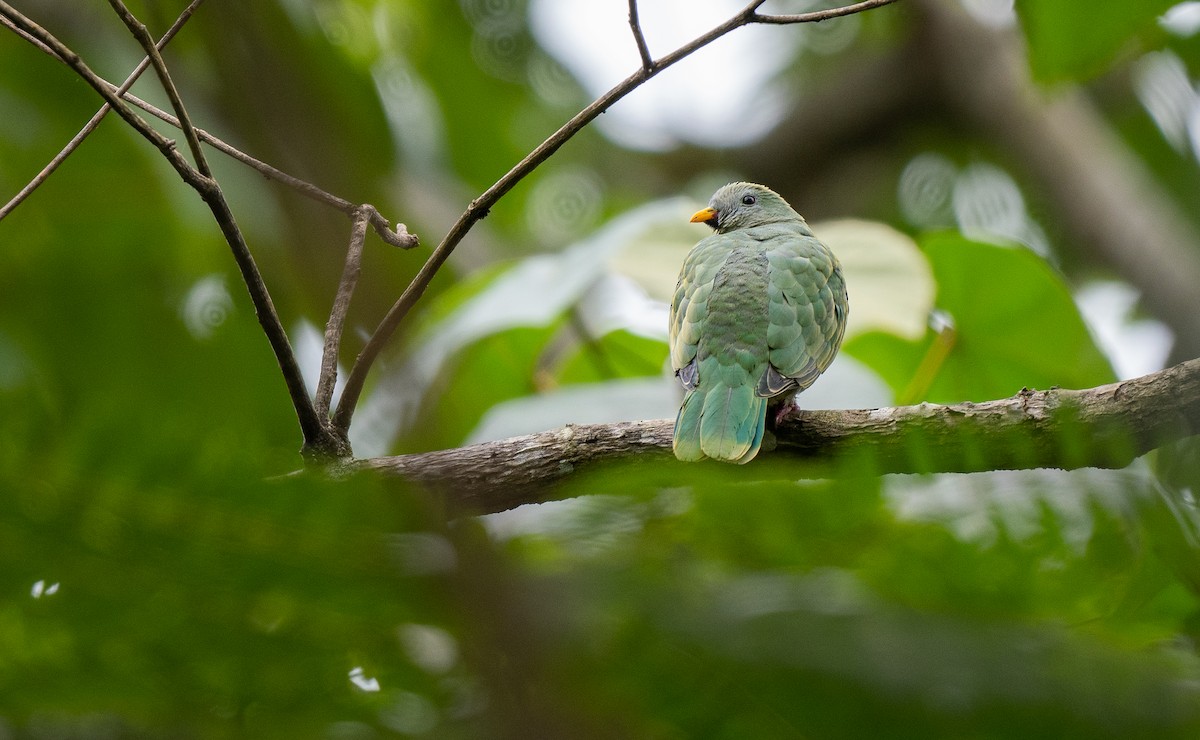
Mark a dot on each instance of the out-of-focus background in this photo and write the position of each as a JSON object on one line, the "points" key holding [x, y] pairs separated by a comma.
{"points": [[1018, 184]]}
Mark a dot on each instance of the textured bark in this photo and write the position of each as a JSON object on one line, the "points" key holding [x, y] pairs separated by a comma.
{"points": [[1105, 427]]}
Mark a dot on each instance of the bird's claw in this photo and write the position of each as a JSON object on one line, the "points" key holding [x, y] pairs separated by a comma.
{"points": [[782, 413]]}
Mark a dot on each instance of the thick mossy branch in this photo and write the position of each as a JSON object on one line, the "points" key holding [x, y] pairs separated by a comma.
{"points": [[1105, 427]]}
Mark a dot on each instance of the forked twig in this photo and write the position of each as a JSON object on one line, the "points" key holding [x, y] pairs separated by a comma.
{"points": [[639, 38], [142, 34], [91, 125], [397, 237]]}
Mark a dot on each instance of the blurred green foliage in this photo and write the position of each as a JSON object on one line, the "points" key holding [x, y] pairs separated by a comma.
{"points": [[1096, 35], [162, 574]]}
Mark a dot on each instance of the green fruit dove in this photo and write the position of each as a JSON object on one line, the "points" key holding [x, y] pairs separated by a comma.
{"points": [[758, 314]]}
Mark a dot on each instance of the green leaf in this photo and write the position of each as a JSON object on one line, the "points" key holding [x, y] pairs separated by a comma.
{"points": [[618, 354], [1075, 41], [1015, 324], [893, 358]]}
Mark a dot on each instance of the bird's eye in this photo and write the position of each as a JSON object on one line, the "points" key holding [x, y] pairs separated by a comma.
{"points": [[748, 200]]}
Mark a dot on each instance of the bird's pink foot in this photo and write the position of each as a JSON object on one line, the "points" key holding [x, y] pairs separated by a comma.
{"points": [[782, 412]]}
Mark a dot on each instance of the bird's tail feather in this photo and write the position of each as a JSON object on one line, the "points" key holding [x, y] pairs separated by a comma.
{"points": [[723, 423], [687, 428]]}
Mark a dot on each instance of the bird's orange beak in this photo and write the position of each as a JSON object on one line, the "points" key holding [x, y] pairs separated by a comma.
{"points": [[704, 215]]}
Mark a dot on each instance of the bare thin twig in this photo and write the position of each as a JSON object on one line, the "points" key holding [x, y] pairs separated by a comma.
{"points": [[4, 21], [636, 26], [341, 306], [398, 237], [107, 90], [817, 16], [142, 34], [317, 437], [478, 208], [91, 125], [48, 42]]}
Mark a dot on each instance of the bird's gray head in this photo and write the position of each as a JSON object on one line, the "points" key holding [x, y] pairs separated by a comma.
{"points": [[740, 205]]}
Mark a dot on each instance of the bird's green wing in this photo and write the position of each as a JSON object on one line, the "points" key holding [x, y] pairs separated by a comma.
{"points": [[807, 310], [689, 306]]}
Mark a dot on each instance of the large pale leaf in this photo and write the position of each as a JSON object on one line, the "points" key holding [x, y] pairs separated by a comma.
{"points": [[890, 283]]}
